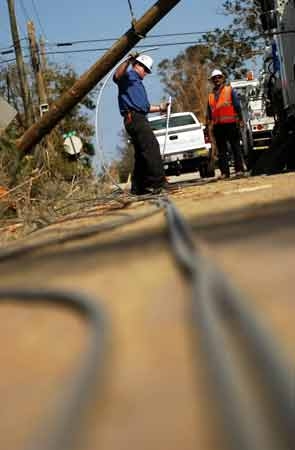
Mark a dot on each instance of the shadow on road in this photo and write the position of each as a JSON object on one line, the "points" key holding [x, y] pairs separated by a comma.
{"points": [[234, 225]]}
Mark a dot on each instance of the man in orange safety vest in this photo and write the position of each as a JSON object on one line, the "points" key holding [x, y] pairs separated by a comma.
{"points": [[224, 117]]}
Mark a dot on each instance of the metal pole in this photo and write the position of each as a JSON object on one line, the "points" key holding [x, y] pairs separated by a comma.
{"points": [[95, 74], [167, 126]]}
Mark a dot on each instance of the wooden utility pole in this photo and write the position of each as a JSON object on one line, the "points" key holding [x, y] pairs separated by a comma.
{"points": [[36, 64], [8, 84], [43, 61], [24, 87], [95, 74]]}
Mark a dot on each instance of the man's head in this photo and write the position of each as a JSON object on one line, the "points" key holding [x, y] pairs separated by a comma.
{"points": [[217, 77], [143, 65]]}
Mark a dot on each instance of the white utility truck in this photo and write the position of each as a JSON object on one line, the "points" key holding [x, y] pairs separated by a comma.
{"points": [[184, 147], [258, 132], [277, 19]]}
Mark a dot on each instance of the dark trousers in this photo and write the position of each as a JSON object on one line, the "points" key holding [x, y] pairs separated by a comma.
{"points": [[148, 166], [228, 133]]}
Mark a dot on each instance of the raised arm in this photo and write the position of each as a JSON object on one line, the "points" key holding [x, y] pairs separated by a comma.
{"points": [[121, 70]]}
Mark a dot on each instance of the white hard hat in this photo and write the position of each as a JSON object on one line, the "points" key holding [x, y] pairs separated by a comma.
{"points": [[146, 61], [73, 145], [216, 72]]}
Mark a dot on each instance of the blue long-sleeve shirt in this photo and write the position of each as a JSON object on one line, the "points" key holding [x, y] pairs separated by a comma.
{"points": [[132, 94], [235, 101]]}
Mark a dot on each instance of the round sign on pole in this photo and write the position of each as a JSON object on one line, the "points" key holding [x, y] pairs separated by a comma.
{"points": [[73, 145]]}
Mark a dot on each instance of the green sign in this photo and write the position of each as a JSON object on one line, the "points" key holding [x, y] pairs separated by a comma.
{"points": [[69, 134]]}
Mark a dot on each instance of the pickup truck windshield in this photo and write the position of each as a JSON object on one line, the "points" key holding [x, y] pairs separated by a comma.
{"points": [[178, 121]]}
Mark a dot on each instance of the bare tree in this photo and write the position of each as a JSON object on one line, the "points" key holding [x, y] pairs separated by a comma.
{"points": [[186, 79]]}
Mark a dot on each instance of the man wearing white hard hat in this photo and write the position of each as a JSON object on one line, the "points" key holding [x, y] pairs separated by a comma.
{"points": [[148, 173], [224, 115]]}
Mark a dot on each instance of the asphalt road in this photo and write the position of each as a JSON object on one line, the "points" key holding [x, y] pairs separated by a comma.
{"points": [[157, 392]]}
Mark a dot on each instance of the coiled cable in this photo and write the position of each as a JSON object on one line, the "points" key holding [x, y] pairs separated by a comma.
{"points": [[61, 430], [246, 423]]}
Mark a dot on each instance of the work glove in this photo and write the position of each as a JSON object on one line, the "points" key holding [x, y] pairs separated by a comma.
{"points": [[132, 56]]}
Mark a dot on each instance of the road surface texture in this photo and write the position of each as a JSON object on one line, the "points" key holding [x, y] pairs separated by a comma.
{"points": [[157, 392]]}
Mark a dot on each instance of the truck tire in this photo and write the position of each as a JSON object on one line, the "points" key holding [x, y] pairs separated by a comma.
{"points": [[253, 157], [272, 161], [249, 157], [291, 154]]}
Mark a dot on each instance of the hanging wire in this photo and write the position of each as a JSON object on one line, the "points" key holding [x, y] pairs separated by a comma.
{"points": [[133, 19], [38, 18], [59, 432], [90, 41], [24, 10]]}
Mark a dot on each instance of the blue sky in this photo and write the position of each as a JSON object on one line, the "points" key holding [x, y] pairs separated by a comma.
{"points": [[72, 20]]}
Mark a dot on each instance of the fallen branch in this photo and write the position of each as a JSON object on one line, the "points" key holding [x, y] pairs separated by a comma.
{"points": [[30, 180]]}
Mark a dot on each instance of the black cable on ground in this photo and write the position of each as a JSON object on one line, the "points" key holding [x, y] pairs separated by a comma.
{"points": [[278, 375], [60, 432], [248, 426], [246, 422]]}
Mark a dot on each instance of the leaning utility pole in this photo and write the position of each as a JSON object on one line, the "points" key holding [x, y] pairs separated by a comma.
{"points": [[24, 88], [95, 74]]}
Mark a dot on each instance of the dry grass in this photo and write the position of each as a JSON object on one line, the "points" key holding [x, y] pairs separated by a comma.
{"points": [[37, 196]]}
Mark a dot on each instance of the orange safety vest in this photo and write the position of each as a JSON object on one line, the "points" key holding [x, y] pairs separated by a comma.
{"points": [[222, 109]]}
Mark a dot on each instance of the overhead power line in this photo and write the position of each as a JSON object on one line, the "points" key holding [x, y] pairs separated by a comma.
{"points": [[152, 36], [24, 9], [38, 18], [90, 41], [138, 46], [111, 39], [83, 50], [253, 53], [189, 33], [107, 48], [7, 50]]}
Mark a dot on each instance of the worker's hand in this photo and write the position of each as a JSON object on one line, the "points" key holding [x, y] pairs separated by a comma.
{"points": [[242, 124], [163, 107], [132, 56]]}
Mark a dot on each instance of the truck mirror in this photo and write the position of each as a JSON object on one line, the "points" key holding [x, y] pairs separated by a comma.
{"points": [[269, 20], [265, 5]]}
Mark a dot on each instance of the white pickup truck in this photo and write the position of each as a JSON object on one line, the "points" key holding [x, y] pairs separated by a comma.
{"points": [[184, 147]]}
